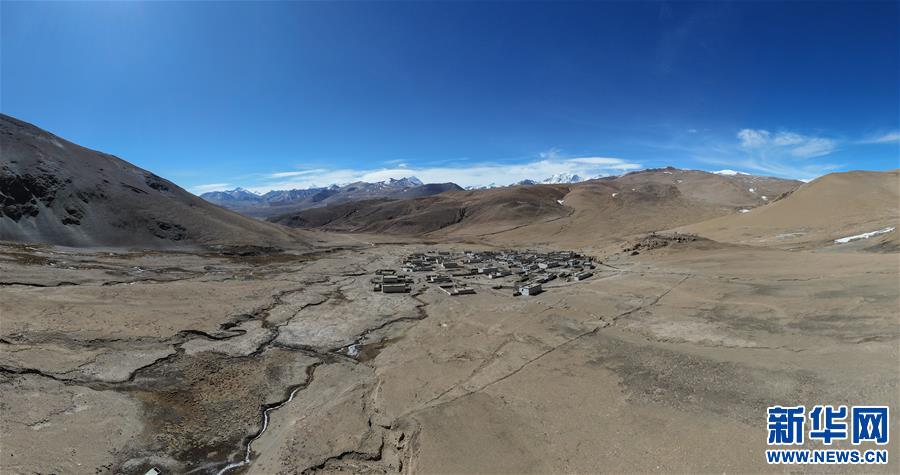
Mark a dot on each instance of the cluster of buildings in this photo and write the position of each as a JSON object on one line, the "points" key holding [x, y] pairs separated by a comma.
{"points": [[526, 271], [389, 282]]}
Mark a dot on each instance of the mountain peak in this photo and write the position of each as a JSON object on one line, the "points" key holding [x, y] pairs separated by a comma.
{"points": [[563, 177], [405, 181], [729, 172], [237, 194], [282, 201]]}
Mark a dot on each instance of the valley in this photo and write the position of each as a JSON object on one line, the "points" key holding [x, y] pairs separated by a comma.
{"points": [[449, 237], [123, 365], [615, 324]]}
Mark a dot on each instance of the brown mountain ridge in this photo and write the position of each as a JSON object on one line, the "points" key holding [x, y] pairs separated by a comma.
{"points": [[54, 191], [571, 214]]}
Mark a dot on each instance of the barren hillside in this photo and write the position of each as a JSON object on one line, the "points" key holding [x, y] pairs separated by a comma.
{"points": [[834, 206], [54, 191], [579, 214], [491, 209]]}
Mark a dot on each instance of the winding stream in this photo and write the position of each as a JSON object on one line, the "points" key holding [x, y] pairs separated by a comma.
{"points": [[265, 425]]}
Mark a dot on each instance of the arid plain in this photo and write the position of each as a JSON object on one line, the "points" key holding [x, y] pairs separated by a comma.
{"points": [[664, 361]]}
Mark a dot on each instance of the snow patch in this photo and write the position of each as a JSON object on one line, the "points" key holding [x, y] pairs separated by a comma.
{"points": [[745, 211], [789, 235], [560, 201], [730, 172], [867, 235], [485, 187], [614, 195], [765, 198], [752, 190]]}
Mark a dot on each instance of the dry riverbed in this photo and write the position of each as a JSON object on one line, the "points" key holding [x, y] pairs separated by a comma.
{"points": [[114, 362]]}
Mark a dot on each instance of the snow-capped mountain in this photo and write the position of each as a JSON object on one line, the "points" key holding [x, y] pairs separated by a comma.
{"points": [[235, 195], [483, 187], [283, 196], [559, 178], [730, 172], [405, 182], [563, 178], [282, 201]]}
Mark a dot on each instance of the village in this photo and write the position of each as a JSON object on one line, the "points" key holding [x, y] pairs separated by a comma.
{"points": [[524, 272]]}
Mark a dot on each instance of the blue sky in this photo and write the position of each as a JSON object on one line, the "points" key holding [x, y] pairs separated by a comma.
{"points": [[280, 95]]}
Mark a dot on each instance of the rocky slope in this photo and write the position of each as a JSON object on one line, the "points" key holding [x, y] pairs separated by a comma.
{"points": [[54, 191]]}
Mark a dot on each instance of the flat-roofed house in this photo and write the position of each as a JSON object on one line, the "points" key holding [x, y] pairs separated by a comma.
{"points": [[583, 275], [438, 278], [394, 288], [531, 289]]}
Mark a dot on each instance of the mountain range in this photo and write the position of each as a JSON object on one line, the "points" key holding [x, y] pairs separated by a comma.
{"points": [[554, 179], [574, 213], [57, 192], [277, 202]]}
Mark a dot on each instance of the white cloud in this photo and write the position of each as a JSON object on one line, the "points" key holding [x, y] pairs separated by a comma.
{"points": [[476, 175], [296, 173], [784, 153], [786, 167], [814, 147], [752, 138], [889, 137], [209, 187], [552, 154], [792, 143], [787, 138], [611, 163]]}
